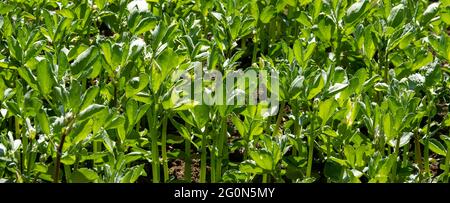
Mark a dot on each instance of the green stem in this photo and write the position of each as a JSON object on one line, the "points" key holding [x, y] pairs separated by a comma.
{"points": [[203, 160], [213, 158], [59, 151], [17, 134], [427, 141], [67, 174], [187, 161], [265, 178], [297, 136], [222, 138], [96, 148], [397, 153], [279, 118], [405, 155], [386, 67], [255, 51], [151, 118], [164, 150], [447, 165], [310, 148], [328, 146], [417, 151]]}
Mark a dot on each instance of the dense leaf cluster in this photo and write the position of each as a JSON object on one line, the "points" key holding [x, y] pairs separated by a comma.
{"points": [[87, 91]]}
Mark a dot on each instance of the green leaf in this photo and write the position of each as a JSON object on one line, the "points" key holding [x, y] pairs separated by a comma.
{"points": [[13, 107], [263, 159], [437, 147], [388, 126], [67, 159], [447, 120], [325, 28], [355, 11], [309, 49], [396, 16], [84, 175], [14, 48], [89, 96], [318, 84], [298, 51], [446, 139], [107, 142], [267, 14], [239, 125], [60, 31], [75, 96], [84, 60], [145, 25], [249, 166], [296, 87], [317, 8], [334, 171], [168, 60], [45, 77], [327, 109], [182, 129], [100, 3], [136, 84], [429, 13], [137, 46], [81, 131], [131, 112], [304, 20], [406, 137], [28, 76], [105, 46], [6, 8], [115, 122], [433, 77], [133, 174], [201, 115], [90, 111], [34, 50], [338, 87], [43, 122], [381, 86]]}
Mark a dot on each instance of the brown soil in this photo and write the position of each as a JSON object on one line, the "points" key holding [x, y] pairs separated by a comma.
{"points": [[177, 167]]}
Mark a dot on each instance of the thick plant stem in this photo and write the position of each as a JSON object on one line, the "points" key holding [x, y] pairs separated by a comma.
{"points": [[310, 155], [297, 135], [58, 158], [222, 138], [59, 151], [265, 178], [405, 155], [311, 145], [213, 159], [164, 150], [426, 151], [426, 154], [447, 165], [18, 136], [96, 148], [328, 146], [279, 118], [203, 160], [154, 138], [67, 173], [417, 151], [397, 153], [187, 161]]}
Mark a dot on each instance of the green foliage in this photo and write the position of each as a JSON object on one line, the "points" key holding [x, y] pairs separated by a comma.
{"points": [[88, 91]]}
